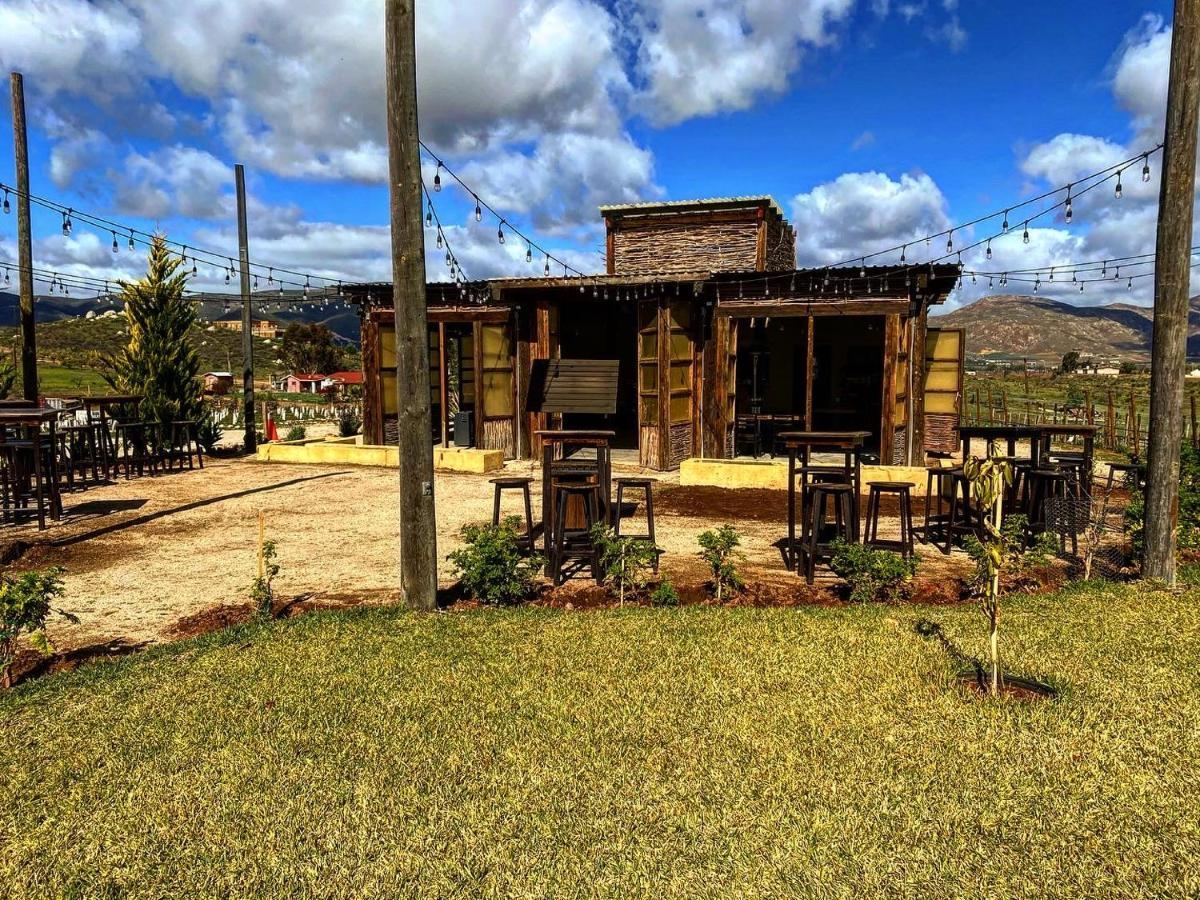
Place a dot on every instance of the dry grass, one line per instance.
(689, 752)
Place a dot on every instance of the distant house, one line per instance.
(303, 383)
(217, 382)
(1194, 373)
(262, 328)
(1111, 371)
(338, 384)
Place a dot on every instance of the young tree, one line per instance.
(159, 362)
(988, 479)
(310, 348)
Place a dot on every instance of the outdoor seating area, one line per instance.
(65, 445)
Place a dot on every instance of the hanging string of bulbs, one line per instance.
(1070, 193)
(532, 247)
(133, 237)
(442, 241)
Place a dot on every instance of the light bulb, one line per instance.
(478, 211)
(66, 225)
(1081, 287)
(1052, 273)
(528, 252)
(862, 268)
(1067, 214)
(270, 276)
(989, 248)
(500, 233)
(429, 216)
(437, 178)
(1117, 189)
(193, 265)
(547, 269)
(1129, 287)
(950, 242)
(1146, 168)
(439, 239)
(7, 280)
(227, 276)
(903, 251)
(7, 206)
(1025, 237)
(1004, 224)
(116, 247)
(131, 245)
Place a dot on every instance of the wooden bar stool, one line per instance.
(938, 497)
(576, 543)
(1128, 472)
(811, 545)
(901, 490)
(963, 519)
(135, 448)
(184, 446)
(646, 485)
(1042, 485)
(514, 483)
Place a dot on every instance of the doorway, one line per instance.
(604, 329)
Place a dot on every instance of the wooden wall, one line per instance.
(691, 244)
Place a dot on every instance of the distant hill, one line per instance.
(1006, 326)
(54, 307)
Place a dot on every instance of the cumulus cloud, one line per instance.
(862, 212)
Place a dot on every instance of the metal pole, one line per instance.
(29, 375)
(1172, 271)
(251, 438)
(418, 529)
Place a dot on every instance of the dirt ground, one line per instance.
(146, 557)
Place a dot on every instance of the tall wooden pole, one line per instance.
(418, 529)
(251, 438)
(1171, 276)
(29, 377)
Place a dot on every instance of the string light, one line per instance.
(429, 216)
(1004, 224)
(115, 247)
(478, 211)
(66, 223)
(950, 241)
(903, 251)
(439, 238)
(1117, 189)
(437, 177)
(132, 246)
(500, 232)
(1067, 213)
(989, 248)
(529, 252)
(1025, 237)
(547, 269)
(7, 206)
(1146, 167)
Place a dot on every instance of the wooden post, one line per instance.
(249, 439)
(1172, 269)
(418, 525)
(29, 377)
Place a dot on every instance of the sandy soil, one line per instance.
(142, 555)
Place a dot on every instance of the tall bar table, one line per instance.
(800, 446)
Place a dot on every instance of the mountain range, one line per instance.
(1009, 326)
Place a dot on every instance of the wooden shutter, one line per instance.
(944, 364)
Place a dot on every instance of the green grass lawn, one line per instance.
(690, 752)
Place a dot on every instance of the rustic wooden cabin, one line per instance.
(716, 334)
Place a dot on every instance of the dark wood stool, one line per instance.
(576, 543)
(184, 445)
(903, 496)
(135, 448)
(646, 485)
(514, 483)
(1128, 471)
(1042, 485)
(83, 442)
(811, 545)
(964, 519)
(938, 481)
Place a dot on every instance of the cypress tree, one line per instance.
(159, 362)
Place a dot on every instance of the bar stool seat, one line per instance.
(633, 482)
(184, 445)
(902, 491)
(575, 543)
(811, 544)
(514, 483)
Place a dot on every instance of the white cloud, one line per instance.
(700, 57)
(862, 212)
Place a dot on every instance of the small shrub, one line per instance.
(718, 548)
(492, 567)
(26, 601)
(348, 422)
(664, 594)
(625, 562)
(262, 591)
(296, 433)
(208, 433)
(873, 574)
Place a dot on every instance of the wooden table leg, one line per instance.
(547, 494)
(791, 546)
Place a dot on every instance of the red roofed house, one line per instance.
(340, 383)
(298, 383)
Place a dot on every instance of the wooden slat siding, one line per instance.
(887, 426)
(686, 246)
(781, 245)
(372, 382)
(681, 444)
(574, 386)
(760, 250)
(648, 446)
(497, 435)
(810, 327)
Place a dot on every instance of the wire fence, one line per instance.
(230, 414)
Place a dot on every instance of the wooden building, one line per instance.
(715, 332)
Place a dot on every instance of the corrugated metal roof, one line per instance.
(703, 203)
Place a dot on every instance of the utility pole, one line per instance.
(418, 526)
(239, 177)
(29, 376)
(1172, 270)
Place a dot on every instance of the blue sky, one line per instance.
(871, 123)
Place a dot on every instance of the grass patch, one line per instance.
(691, 751)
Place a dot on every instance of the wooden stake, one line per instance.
(249, 439)
(418, 526)
(29, 375)
(262, 531)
